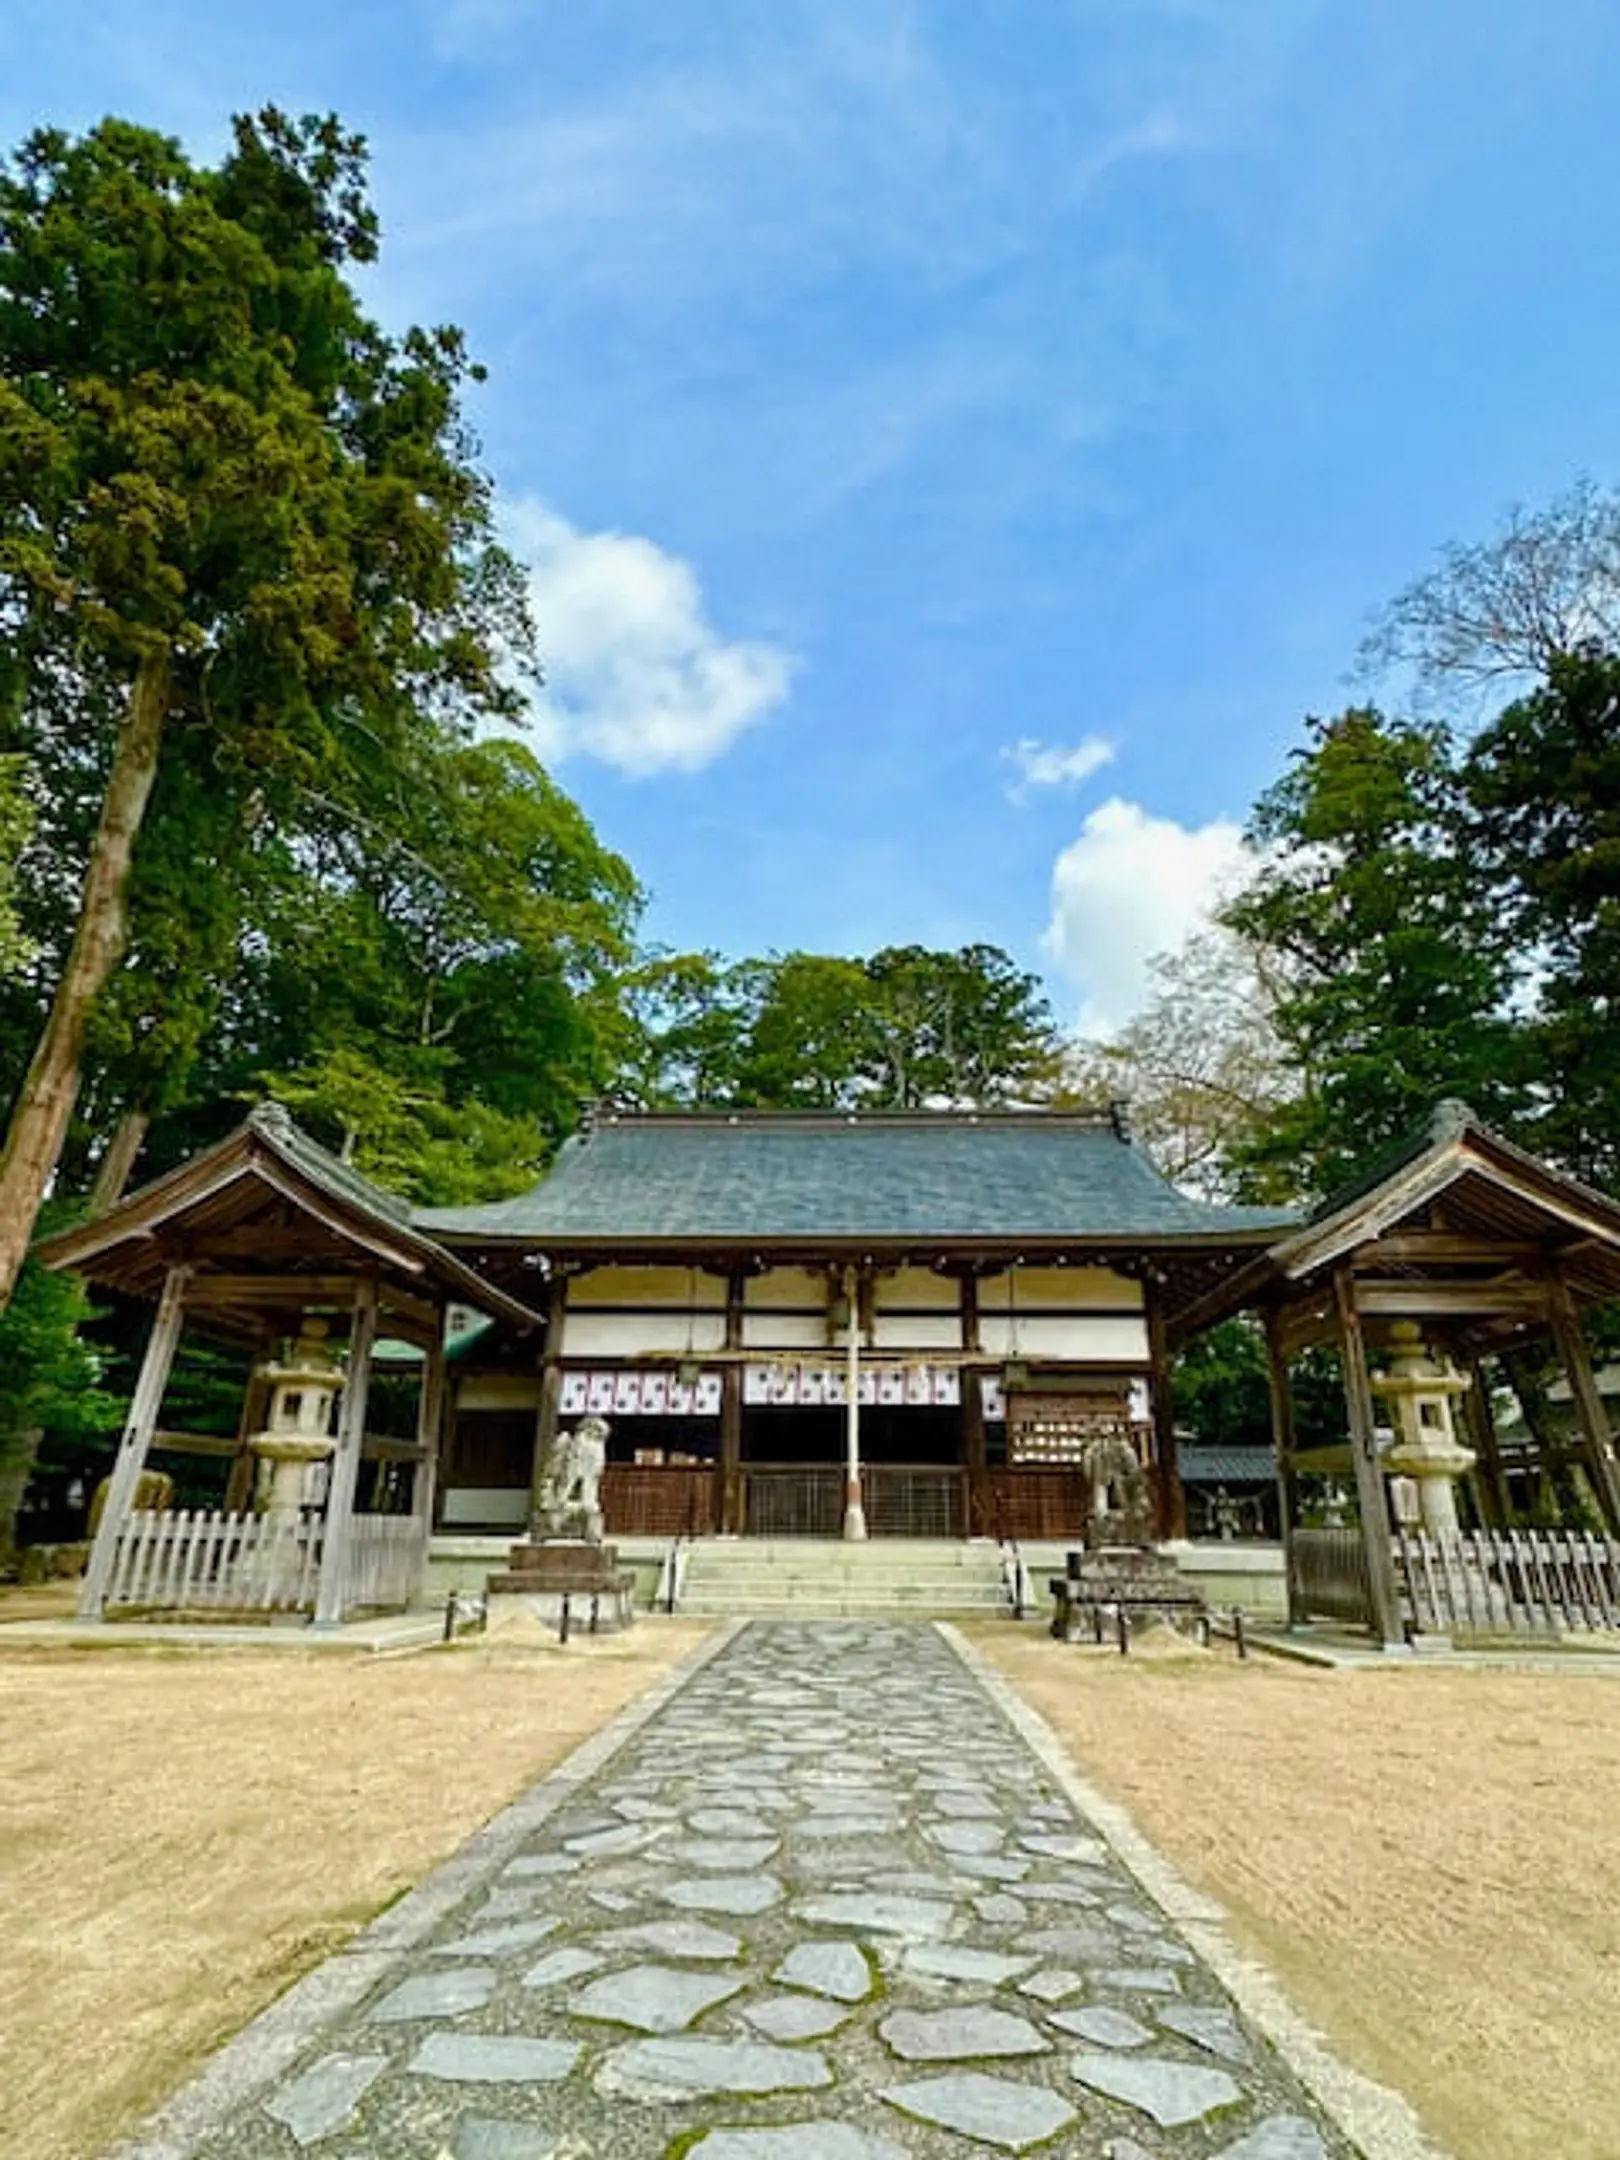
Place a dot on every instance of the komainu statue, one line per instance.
(1121, 1508)
(569, 1502)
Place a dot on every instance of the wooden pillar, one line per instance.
(1480, 1420)
(337, 1538)
(139, 1427)
(1284, 1438)
(730, 1510)
(1371, 1493)
(1597, 1442)
(979, 1512)
(545, 1424)
(430, 1429)
(1170, 1501)
(255, 1408)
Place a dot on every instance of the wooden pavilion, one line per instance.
(1491, 1253)
(244, 1243)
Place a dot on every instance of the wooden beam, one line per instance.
(214, 1288)
(429, 1429)
(1445, 1301)
(972, 1385)
(1371, 1493)
(331, 1593)
(1169, 1494)
(139, 1427)
(1446, 1248)
(1284, 1438)
(1597, 1440)
(1480, 1423)
(729, 1511)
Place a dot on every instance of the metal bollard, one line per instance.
(1239, 1639)
(450, 1618)
(596, 1602)
(564, 1617)
(1124, 1630)
(1096, 1625)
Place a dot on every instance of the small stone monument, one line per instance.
(298, 1425)
(1419, 1390)
(564, 1559)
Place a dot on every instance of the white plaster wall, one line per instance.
(1082, 1340)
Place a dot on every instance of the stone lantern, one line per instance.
(298, 1427)
(1419, 1391)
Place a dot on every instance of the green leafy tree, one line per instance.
(1391, 963)
(16, 829)
(50, 1383)
(1543, 785)
(243, 524)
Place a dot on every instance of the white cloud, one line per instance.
(1133, 885)
(636, 675)
(1050, 765)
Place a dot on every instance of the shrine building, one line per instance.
(934, 1326)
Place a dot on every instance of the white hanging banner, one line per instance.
(632, 1391)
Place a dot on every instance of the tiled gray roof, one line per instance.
(941, 1175)
(1226, 1465)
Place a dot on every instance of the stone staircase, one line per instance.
(895, 1578)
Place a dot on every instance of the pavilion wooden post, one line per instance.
(255, 1408)
(1284, 1439)
(729, 1511)
(429, 1430)
(337, 1539)
(139, 1427)
(545, 1424)
(979, 1522)
(1371, 1494)
(1481, 1423)
(1169, 1496)
(1597, 1440)
(854, 1507)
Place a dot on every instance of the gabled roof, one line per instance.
(1485, 1182)
(954, 1177)
(1454, 1206)
(267, 1199)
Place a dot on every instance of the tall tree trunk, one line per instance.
(39, 1123)
(112, 1173)
(1529, 1373)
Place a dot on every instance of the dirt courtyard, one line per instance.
(182, 1834)
(1428, 1859)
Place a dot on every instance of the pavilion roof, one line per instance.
(276, 1216)
(938, 1178)
(1455, 1212)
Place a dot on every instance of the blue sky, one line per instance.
(957, 441)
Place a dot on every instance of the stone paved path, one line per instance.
(825, 1906)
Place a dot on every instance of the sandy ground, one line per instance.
(182, 1834)
(1428, 1859)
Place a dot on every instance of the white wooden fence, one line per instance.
(1514, 1582)
(201, 1560)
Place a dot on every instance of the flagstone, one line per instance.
(653, 1998)
(837, 1969)
(1172, 2093)
(680, 2069)
(996, 2111)
(494, 2058)
(325, 2095)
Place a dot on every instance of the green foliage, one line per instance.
(1543, 789)
(16, 829)
(903, 1030)
(1391, 961)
